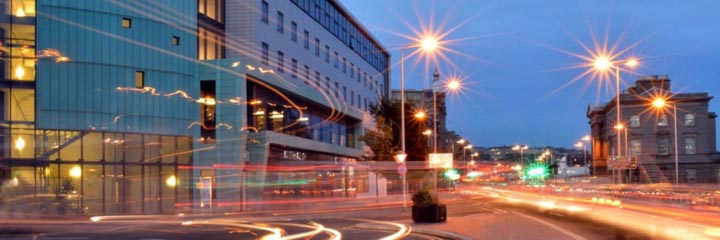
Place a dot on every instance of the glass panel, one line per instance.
(113, 182)
(92, 147)
(22, 8)
(114, 145)
(150, 180)
(184, 188)
(68, 189)
(169, 182)
(168, 152)
(92, 188)
(153, 148)
(23, 143)
(70, 145)
(22, 104)
(133, 148)
(133, 189)
(184, 150)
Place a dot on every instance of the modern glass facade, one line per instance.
(269, 111)
(88, 121)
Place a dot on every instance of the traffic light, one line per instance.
(452, 174)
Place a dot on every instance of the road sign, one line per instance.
(440, 160)
(402, 169)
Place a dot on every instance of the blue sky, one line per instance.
(514, 56)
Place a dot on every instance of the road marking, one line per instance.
(553, 226)
(495, 210)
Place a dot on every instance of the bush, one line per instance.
(425, 198)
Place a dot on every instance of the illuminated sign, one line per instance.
(440, 160)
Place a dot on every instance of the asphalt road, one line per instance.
(475, 217)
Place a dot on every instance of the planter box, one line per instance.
(429, 214)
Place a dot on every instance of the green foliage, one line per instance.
(380, 140)
(425, 198)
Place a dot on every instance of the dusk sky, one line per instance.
(516, 58)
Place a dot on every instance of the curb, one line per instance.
(426, 231)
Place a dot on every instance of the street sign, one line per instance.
(440, 160)
(402, 169)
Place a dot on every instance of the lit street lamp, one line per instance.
(428, 44)
(587, 138)
(660, 103)
(521, 149)
(604, 64)
(468, 147)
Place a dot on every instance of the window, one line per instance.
(345, 94)
(690, 145)
(280, 22)
(317, 47)
(662, 121)
(175, 40)
(306, 40)
(139, 79)
(293, 28)
(265, 12)
(344, 63)
(635, 121)
(212, 9)
(327, 85)
(635, 147)
(207, 110)
(337, 60)
(352, 98)
(352, 70)
(210, 44)
(281, 62)
(327, 54)
(337, 90)
(317, 78)
(662, 145)
(294, 68)
(126, 23)
(306, 74)
(265, 53)
(689, 119)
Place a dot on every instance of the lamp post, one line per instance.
(468, 147)
(521, 149)
(461, 142)
(587, 138)
(604, 63)
(584, 148)
(428, 44)
(660, 103)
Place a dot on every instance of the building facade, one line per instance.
(648, 139)
(432, 103)
(130, 107)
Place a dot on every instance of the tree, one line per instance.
(380, 140)
(416, 144)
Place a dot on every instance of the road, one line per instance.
(476, 217)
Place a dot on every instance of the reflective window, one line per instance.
(293, 28)
(280, 22)
(662, 121)
(306, 39)
(689, 119)
(264, 11)
(690, 145)
(635, 147)
(662, 145)
(265, 53)
(635, 121)
(294, 68)
(281, 62)
(22, 8)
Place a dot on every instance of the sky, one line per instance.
(521, 61)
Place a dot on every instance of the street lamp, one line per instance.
(428, 44)
(521, 149)
(604, 64)
(468, 147)
(587, 138)
(660, 103)
(584, 148)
